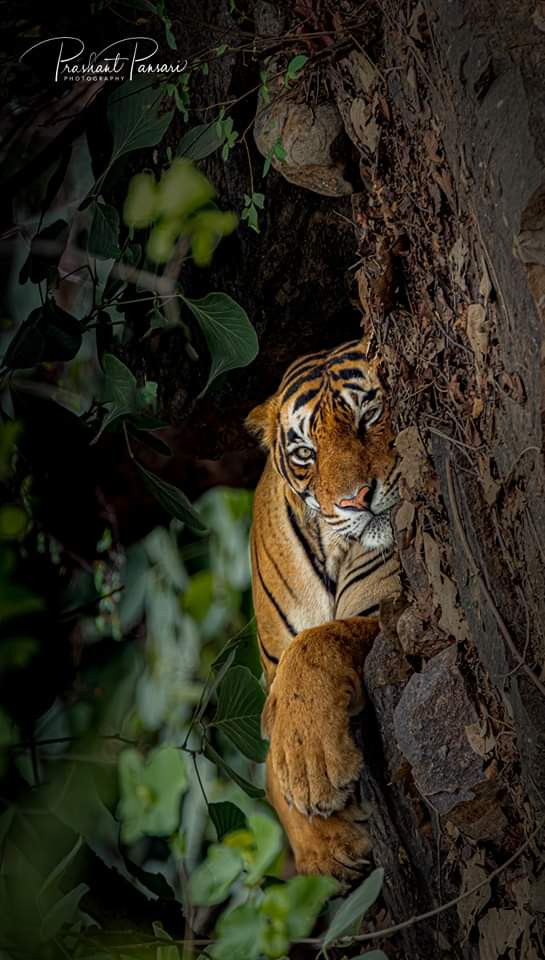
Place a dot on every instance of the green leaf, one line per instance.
(355, 906)
(115, 415)
(62, 912)
(239, 934)
(141, 201)
(238, 714)
(199, 594)
(214, 679)
(47, 334)
(120, 382)
(296, 904)
(103, 241)
(26, 348)
(10, 430)
(246, 634)
(294, 67)
(63, 333)
(151, 789)
(135, 118)
(61, 866)
(146, 396)
(307, 896)
(173, 500)
(230, 337)
(226, 817)
(13, 521)
(279, 150)
(268, 844)
(46, 249)
(143, 435)
(211, 881)
(200, 141)
(211, 754)
(171, 40)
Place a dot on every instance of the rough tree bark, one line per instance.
(447, 214)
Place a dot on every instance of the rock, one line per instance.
(429, 724)
(415, 638)
(307, 134)
(386, 671)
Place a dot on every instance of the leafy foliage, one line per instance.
(135, 117)
(355, 906)
(238, 714)
(151, 748)
(231, 339)
(150, 792)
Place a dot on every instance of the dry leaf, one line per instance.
(477, 332)
(480, 737)
(529, 246)
(490, 487)
(414, 465)
(452, 619)
(477, 408)
(469, 908)
(485, 286)
(457, 259)
(404, 519)
(499, 930)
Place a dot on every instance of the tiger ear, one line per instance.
(261, 421)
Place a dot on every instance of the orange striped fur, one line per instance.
(323, 558)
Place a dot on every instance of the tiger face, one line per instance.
(329, 436)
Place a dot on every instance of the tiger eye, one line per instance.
(303, 453)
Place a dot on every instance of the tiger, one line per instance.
(323, 559)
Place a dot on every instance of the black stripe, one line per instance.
(321, 572)
(348, 357)
(305, 362)
(345, 373)
(369, 612)
(315, 374)
(263, 648)
(304, 398)
(354, 386)
(278, 572)
(281, 463)
(279, 611)
(365, 572)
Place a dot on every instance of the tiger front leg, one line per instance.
(338, 845)
(316, 690)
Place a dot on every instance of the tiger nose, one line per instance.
(360, 501)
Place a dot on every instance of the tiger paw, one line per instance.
(307, 719)
(335, 846)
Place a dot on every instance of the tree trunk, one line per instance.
(432, 227)
(448, 227)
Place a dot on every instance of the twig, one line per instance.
(28, 744)
(451, 903)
